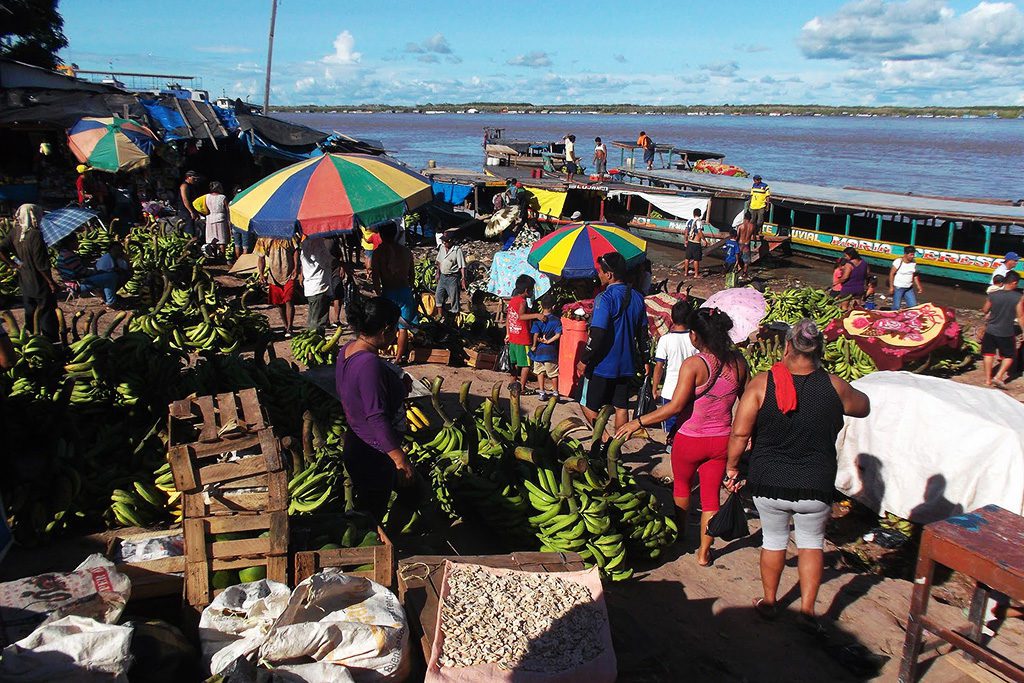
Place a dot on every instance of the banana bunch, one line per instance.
(762, 354)
(424, 276)
(898, 524)
(313, 486)
(417, 419)
(141, 505)
(164, 482)
(311, 348)
(8, 275)
(34, 517)
(94, 241)
(207, 335)
(794, 304)
(360, 532)
(845, 358)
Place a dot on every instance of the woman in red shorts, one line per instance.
(708, 387)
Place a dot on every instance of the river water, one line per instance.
(951, 157)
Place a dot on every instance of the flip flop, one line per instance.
(764, 610)
(711, 560)
(810, 625)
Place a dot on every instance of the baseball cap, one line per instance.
(1011, 256)
(191, 174)
(757, 177)
(81, 168)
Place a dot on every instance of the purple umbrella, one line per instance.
(744, 305)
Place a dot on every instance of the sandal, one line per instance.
(809, 624)
(711, 560)
(764, 610)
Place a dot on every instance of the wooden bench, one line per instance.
(988, 546)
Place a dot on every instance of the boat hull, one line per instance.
(656, 230)
(945, 263)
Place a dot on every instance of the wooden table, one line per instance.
(986, 545)
(419, 582)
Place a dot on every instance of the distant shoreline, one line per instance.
(999, 112)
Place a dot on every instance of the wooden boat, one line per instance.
(956, 239)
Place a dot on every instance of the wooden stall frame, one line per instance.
(309, 562)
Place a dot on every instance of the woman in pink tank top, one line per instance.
(709, 385)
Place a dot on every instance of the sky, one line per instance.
(338, 52)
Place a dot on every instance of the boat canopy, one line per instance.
(679, 206)
(841, 198)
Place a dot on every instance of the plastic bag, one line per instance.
(730, 522)
(504, 363)
(644, 398)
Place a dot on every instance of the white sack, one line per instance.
(238, 620)
(77, 649)
(352, 628)
(932, 448)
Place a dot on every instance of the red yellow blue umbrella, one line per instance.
(573, 251)
(332, 193)
(111, 144)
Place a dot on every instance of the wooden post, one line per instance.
(949, 237)
(913, 232)
(847, 229)
(988, 238)
(602, 209)
(270, 56)
(878, 228)
(817, 222)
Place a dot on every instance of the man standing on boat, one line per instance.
(760, 194)
(571, 158)
(694, 245)
(600, 158)
(903, 280)
(746, 238)
(647, 145)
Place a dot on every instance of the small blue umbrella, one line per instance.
(58, 224)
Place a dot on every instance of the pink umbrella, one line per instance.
(744, 305)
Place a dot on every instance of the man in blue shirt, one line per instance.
(617, 345)
(730, 252)
(546, 332)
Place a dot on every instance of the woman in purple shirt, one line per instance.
(854, 276)
(371, 393)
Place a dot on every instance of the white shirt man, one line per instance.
(1008, 264)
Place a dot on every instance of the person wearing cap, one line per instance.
(1008, 264)
(82, 185)
(903, 280)
(188, 192)
(451, 273)
(760, 194)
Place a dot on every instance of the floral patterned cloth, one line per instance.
(509, 265)
(893, 337)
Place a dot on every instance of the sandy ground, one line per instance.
(680, 620)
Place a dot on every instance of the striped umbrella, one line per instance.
(573, 251)
(332, 193)
(111, 144)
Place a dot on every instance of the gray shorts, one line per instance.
(809, 519)
(447, 293)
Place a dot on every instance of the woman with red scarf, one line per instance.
(791, 416)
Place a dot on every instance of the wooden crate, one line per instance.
(419, 582)
(195, 465)
(250, 495)
(204, 555)
(201, 418)
(309, 562)
(481, 360)
(423, 354)
(150, 578)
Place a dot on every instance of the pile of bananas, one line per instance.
(762, 354)
(8, 275)
(154, 254)
(536, 486)
(846, 359)
(141, 505)
(416, 418)
(94, 241)
(424, 275)
(794, 304)
(312, 348)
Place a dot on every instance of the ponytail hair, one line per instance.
(712, 326)
(370, 317)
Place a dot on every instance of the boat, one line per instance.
(502, 151)
(956, 239)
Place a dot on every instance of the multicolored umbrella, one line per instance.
(332, 193)
(744, 305)
(573, 251)
(111, 144)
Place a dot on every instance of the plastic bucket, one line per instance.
(570, 348)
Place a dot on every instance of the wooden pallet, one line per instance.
(204, 555)
(382, 557)
(150, 578)
(419, 582)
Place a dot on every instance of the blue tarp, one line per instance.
(226, 116)
(260, 147)
(451, 193)
(173, 125)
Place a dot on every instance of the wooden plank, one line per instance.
(226, 444)
(182, 468)
(208, 432)
(271, 449)
(251, 410)
(227, 409)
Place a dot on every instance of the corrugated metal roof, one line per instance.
(881, 202)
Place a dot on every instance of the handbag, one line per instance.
(730, 522)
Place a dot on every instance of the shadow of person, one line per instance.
(661, 634)
(935, 506)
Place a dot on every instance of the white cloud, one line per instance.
(752, 48)
(344, 50)
(721, 68)
(621, 59)
(429, 58)
(534, 60)
(921, 51)
(435, 44)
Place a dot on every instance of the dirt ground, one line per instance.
(680, 620)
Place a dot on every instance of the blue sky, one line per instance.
(909, 52)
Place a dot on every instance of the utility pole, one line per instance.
(270, 56)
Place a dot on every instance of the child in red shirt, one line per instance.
(518, 331)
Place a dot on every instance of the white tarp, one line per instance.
(932, 448)
(676, 206)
